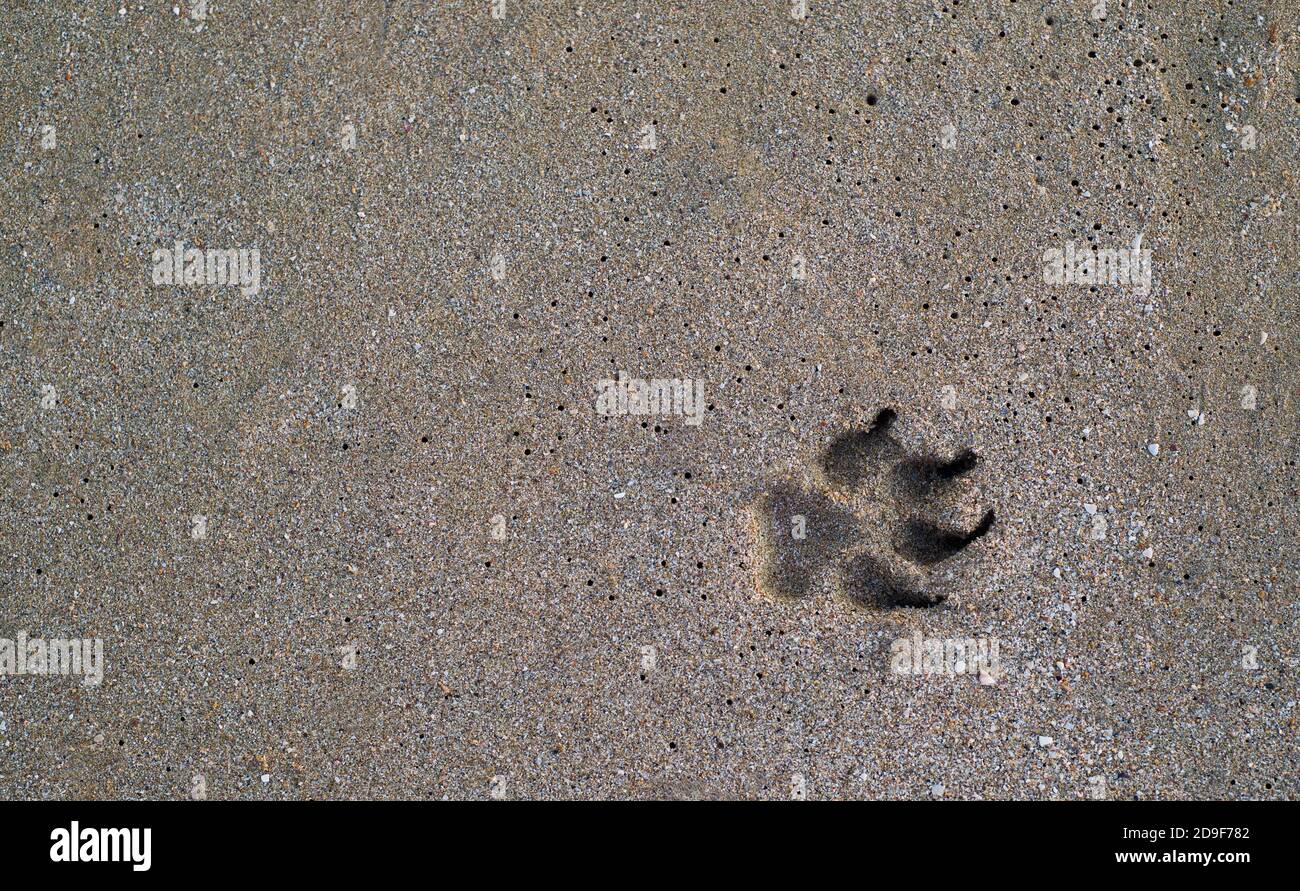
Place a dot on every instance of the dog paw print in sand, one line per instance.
(889, 527)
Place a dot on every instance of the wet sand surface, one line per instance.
(371, 526)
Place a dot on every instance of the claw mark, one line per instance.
(928, 543)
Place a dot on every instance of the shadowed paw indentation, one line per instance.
(895, 528)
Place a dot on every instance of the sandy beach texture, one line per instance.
(649, 399)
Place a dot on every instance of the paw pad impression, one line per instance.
(896, 529)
